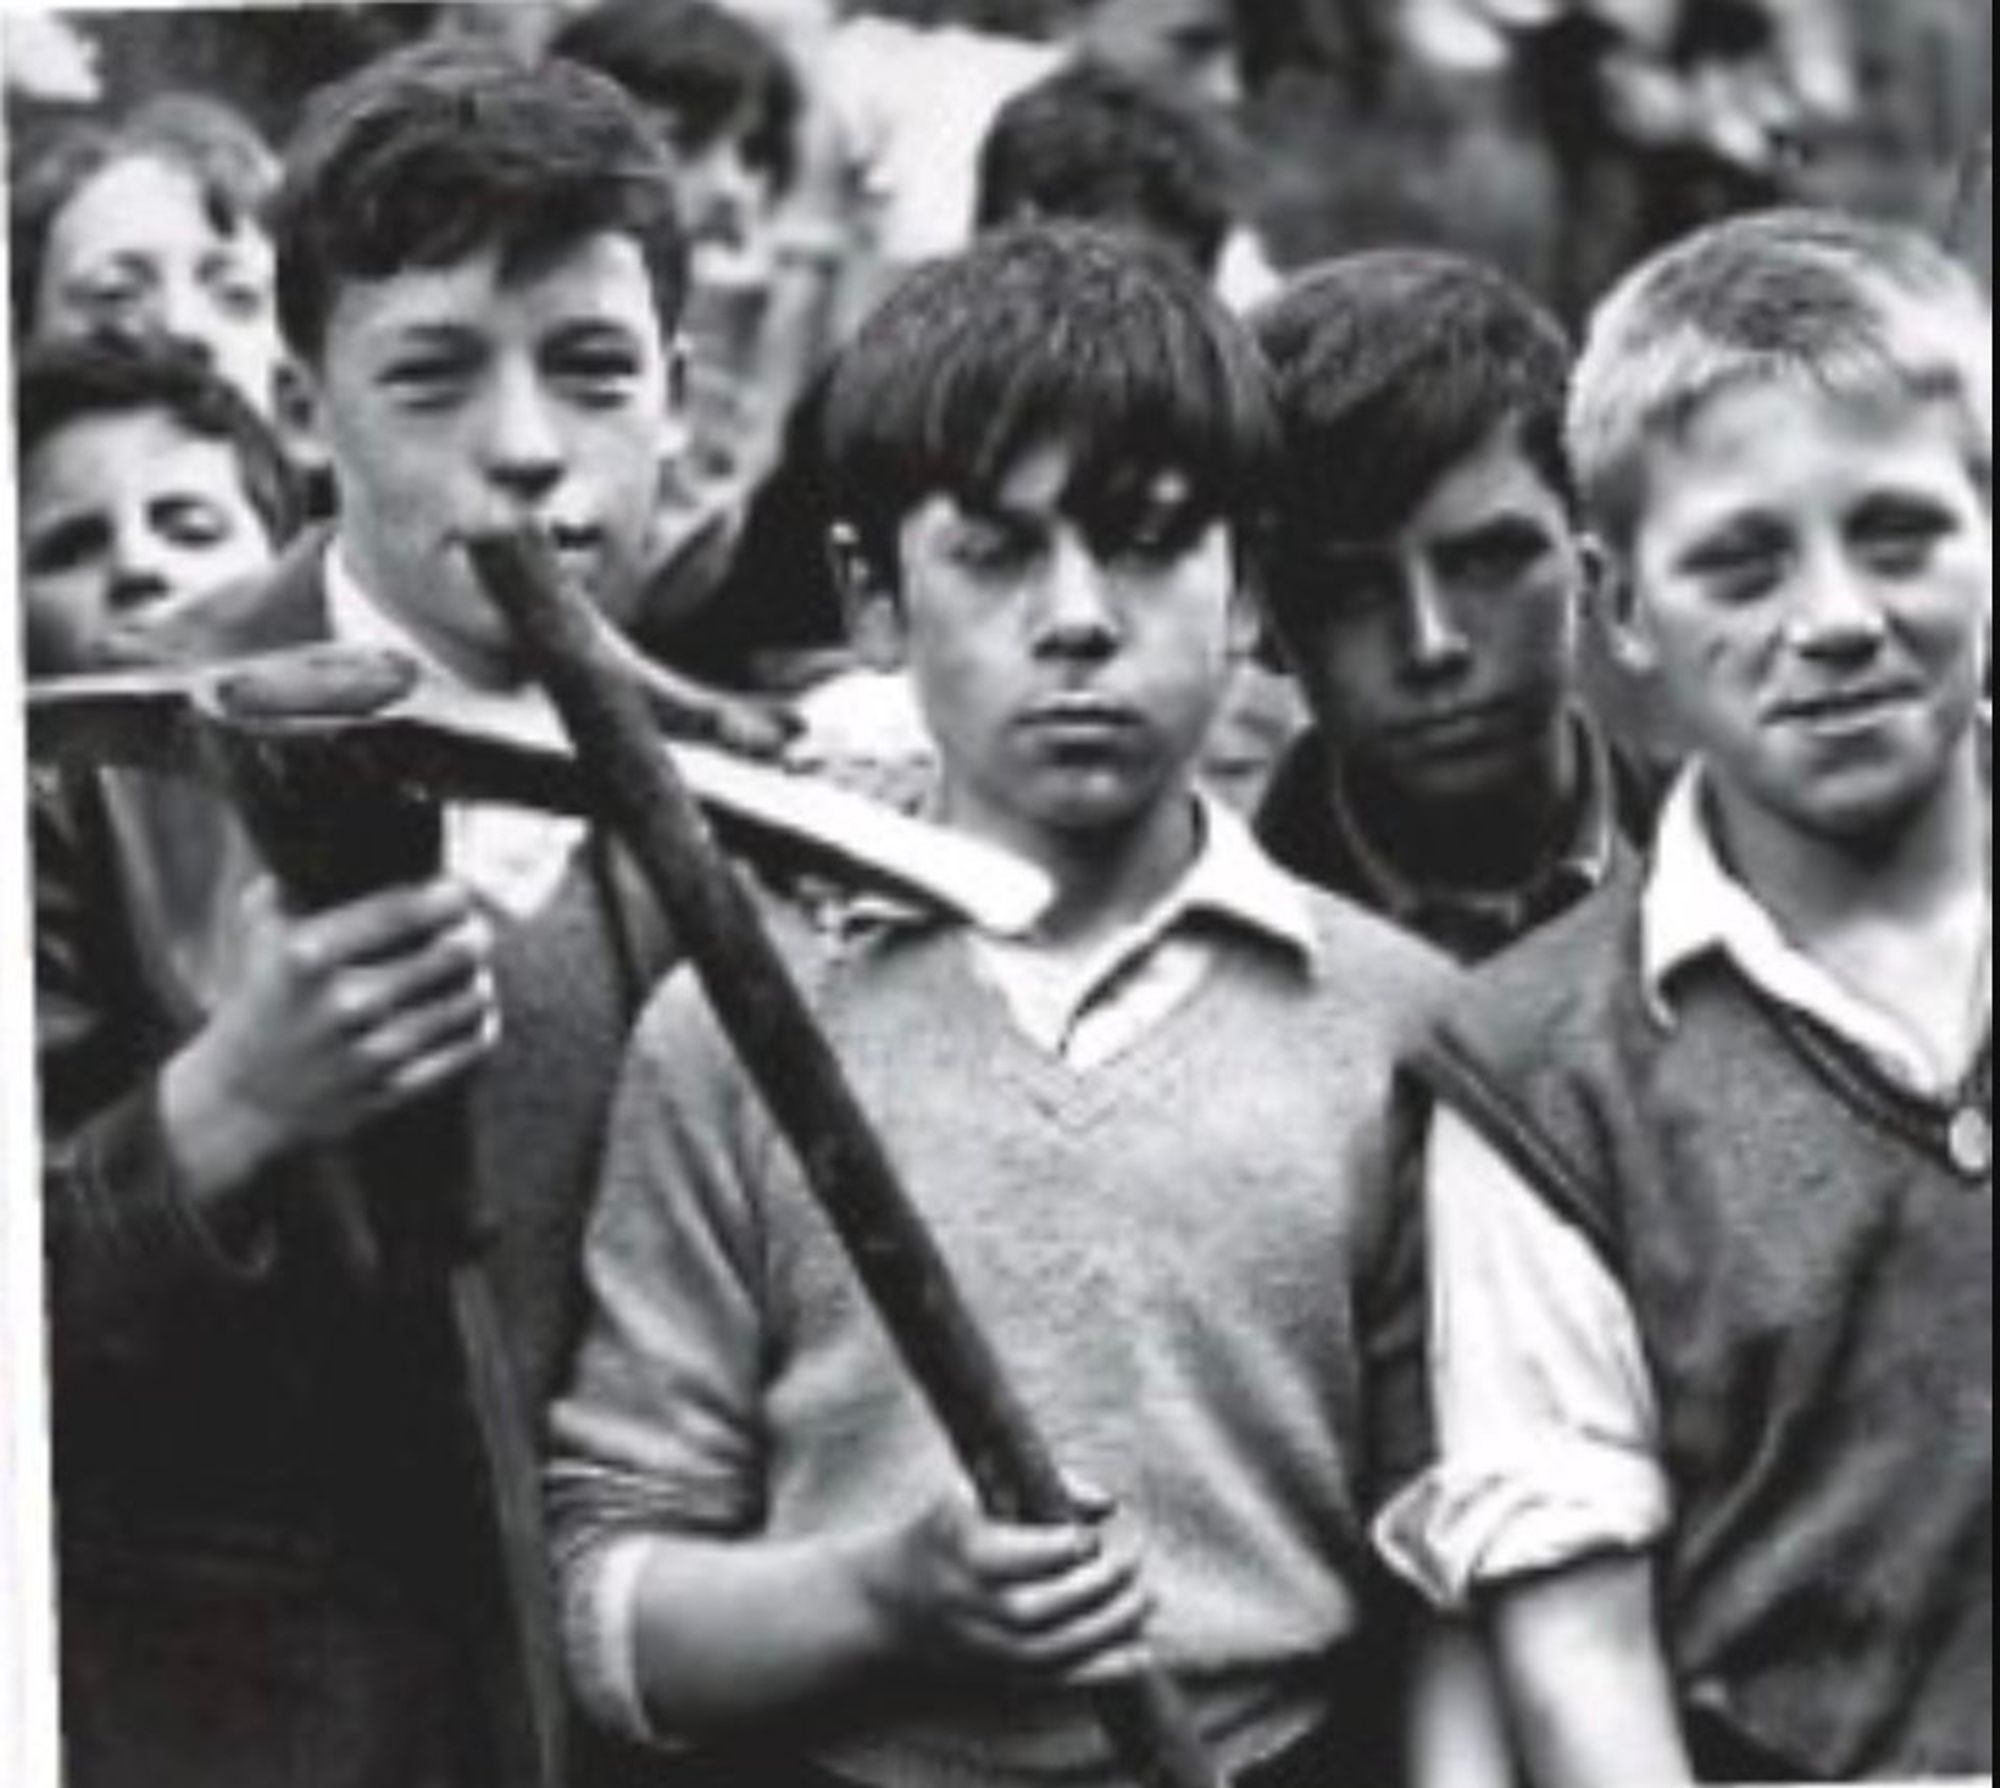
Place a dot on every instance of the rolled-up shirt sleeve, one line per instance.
(659, 1431)
(1547, 1424)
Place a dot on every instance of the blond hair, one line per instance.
(1839, 304)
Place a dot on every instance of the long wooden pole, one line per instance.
(787, 1056)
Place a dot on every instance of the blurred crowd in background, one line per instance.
(825, 145)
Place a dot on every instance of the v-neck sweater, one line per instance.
(1187, 1257)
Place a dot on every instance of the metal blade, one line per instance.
(460, 745)
(461, 748)
(135, 720)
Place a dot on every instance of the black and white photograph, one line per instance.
(996, 894)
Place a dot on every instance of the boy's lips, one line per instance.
(1454, 732)
(1079, 713)
(1848, 705)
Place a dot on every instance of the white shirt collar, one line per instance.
(1090, 1012)
(1230, 879)
(1695, 907)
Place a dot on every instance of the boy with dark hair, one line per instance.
(1094, 144)
(1047, 455)
(146, 483)
(1711, 1174)
(1426, 580)
(724, 95)
(264, 1571)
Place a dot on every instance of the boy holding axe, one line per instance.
(480, 270)
(1150, 1134)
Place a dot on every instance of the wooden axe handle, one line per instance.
(785, 1053)
(328, 835)
(331, 829)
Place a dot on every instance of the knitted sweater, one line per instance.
(1809, 1255)
(1187, 1257)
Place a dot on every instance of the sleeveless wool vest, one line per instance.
(1808, 1251)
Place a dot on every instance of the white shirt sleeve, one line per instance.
(1547, 1424)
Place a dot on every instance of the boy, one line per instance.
(1047, 454)
(479, 270)
(728, 105)
(724, 96)
(1101, 146)
(1426, 582)
(146, 483)
(1711, 1177)
(149, 229)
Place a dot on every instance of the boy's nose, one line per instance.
(1834, 612)
(1435, 647)
(1077, 613)
(522, 445)
(183, 313)
(136, 573)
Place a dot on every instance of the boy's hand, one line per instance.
(1061, 1605)
(328, 1022)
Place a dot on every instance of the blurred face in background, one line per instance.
(726, 197)
(141, 253)
(128, 521)
(1187, 45)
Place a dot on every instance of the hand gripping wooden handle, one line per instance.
(784, 1052)
(332, 827)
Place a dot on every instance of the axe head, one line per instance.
(152, 719)
(421, 737)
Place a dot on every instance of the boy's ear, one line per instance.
(870, 599)
(1249, 624)
(299, 417)
(674, 434)
(1611, 595)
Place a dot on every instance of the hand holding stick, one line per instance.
(786, 1055)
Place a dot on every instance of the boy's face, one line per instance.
(1187, 45)
(1444, 661)
(1813, 581)
(127, 521)
(135, 253)
(452, 401)
(725, 198)
(1068, 666)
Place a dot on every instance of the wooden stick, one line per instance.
(330, 828)
(785, 1053)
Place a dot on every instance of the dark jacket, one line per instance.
(260, 1511)
(1303, 823)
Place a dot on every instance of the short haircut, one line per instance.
(712, 74)
(1058, 333)
(1096, 144)
(433, 154)
(58, 383)
(1817, 299)
(230, 164)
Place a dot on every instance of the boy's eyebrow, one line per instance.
(122, 260)
(56, 540)
(1734, 531)
(1502, 525)
(986, 506)
(605, 329)
(426, 333)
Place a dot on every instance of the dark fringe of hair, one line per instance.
(1051, 333)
